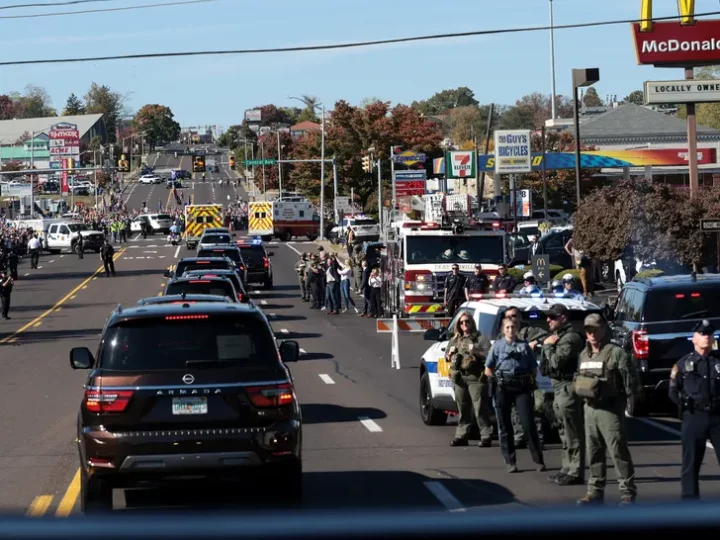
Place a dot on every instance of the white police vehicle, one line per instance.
(437, 397)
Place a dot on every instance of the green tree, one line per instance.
(158, 123)
(100, 99)
(591, 98)
(33, 103)
(309, 112)
(73, 106)
(637, 97)
(445, 100)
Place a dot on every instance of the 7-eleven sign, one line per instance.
(461, 164)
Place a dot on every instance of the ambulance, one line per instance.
(283, 220)
(199, 217)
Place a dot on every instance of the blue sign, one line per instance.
(410, 175)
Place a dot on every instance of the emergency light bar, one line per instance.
(503, 294)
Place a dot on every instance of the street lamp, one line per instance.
(552, 61)
(322, 167)
(580, 78)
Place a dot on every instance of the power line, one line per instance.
(104, 10)
(55, 4)
(351, 45)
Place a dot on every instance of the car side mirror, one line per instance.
(81, 358)
(432, 334)
(289, 351)
(166, 274)
(271, 253)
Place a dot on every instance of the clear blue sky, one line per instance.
(216, 90)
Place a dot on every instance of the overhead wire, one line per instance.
(336, 46)
(54, 4)
(104, 10)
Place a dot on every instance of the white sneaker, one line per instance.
(344, 310)
(357, 310)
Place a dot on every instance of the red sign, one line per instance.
(405, 188)
(64, 176)
(671, 44)
(64, 134)
(680, 156)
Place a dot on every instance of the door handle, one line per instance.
(443, 349)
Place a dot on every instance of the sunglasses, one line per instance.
(465, 321)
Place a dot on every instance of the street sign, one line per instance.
(250, 162)
(541, 268)
(710, 225)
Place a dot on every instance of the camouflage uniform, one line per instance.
(301, 268)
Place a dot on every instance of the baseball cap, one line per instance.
(556, 310)
(478, 267)
(704, 328)
(594, 320)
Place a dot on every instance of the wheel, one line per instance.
(311, 237)
(95, 495)
(637, 405)
(429, 414)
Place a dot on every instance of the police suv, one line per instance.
(437, 397)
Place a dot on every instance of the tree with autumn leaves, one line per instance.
(158, 124)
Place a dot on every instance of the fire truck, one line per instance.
(419, 255)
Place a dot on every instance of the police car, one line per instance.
(437, 397)
(257, 261)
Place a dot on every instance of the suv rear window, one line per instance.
(183, 267)
(253, 255)
(202, 286)
(160, 344)
(232, 276)
(216, 239)
(698, 302)
(232, 254)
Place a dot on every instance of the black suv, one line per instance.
(180, 390)
(257, 262)
(200, 263)
(215, 285)
(653, 320)
(183, 299)
(232, 252)
(228, 274)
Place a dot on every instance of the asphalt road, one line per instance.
(364, 444)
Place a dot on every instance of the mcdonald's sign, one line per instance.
(684, 43)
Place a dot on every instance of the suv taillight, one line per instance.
(277, 395)
(266, 262)
(107, 401)
(241, 297)
(641, 344)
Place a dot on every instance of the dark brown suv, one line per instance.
(189, 389)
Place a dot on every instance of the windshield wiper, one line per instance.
(694, 314)
(208, 363)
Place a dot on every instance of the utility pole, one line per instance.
(32, 176)
(322, 177)
(335, 191)
(380, 216)
(279, 164)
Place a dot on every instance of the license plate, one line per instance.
(443, 368)
(189, 405)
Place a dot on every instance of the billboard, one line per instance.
(253, 115)
(461, 164)
(409, 183)
(64, 143)
(685, 91)
(513, 153)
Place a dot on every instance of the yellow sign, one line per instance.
(686, 10)
(443, 368)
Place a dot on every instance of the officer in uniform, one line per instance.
(560, 354)
(300, 269)
(454, 290)
(80, 247)
(106, 254)
(695, 386)
(606, 377)
(504, 282)
(477, 283)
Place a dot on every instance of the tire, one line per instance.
(311, 237)
(95, 495)
(637, 406)
(428, 413)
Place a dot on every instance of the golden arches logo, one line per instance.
(686, 10)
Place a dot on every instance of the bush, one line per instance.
(517, 273)
(646, 274)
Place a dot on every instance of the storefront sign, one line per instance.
(685, 91)
(512, 152)
(461, 164)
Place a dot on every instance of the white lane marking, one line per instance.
(141, 257)
(369, 424)
(294, 249)
(264, 302)
(284, 331)
(61, 256)
(272, 315)
(52, 261)
(442, 494)
(161, 256)
(129, 258)
(177, 252)
(152, 245)
(303, 351)
(26, 275)
(326, 378)
(666, 429)
(138, 236)
(149, 251)
(39, 267)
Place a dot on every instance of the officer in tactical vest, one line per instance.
(478, 283)
(606, 377)
(301, 269)
(695, 386)
(533, 335)
(560, 354)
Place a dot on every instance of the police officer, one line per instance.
(466, 353)
(477, 283)
(300, 269)
(80, 246)
(513, 364)
(568, 281)
(560, 353)
(606, 377)
(106, 254)
(454, 290)
(533, 335)
(6, 286)
(530, 285)
(504, 282)
(695, 386)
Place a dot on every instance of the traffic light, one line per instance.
(123, 164)
(366, 164)
(70, 164)
(199, 164)
(232, 162)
